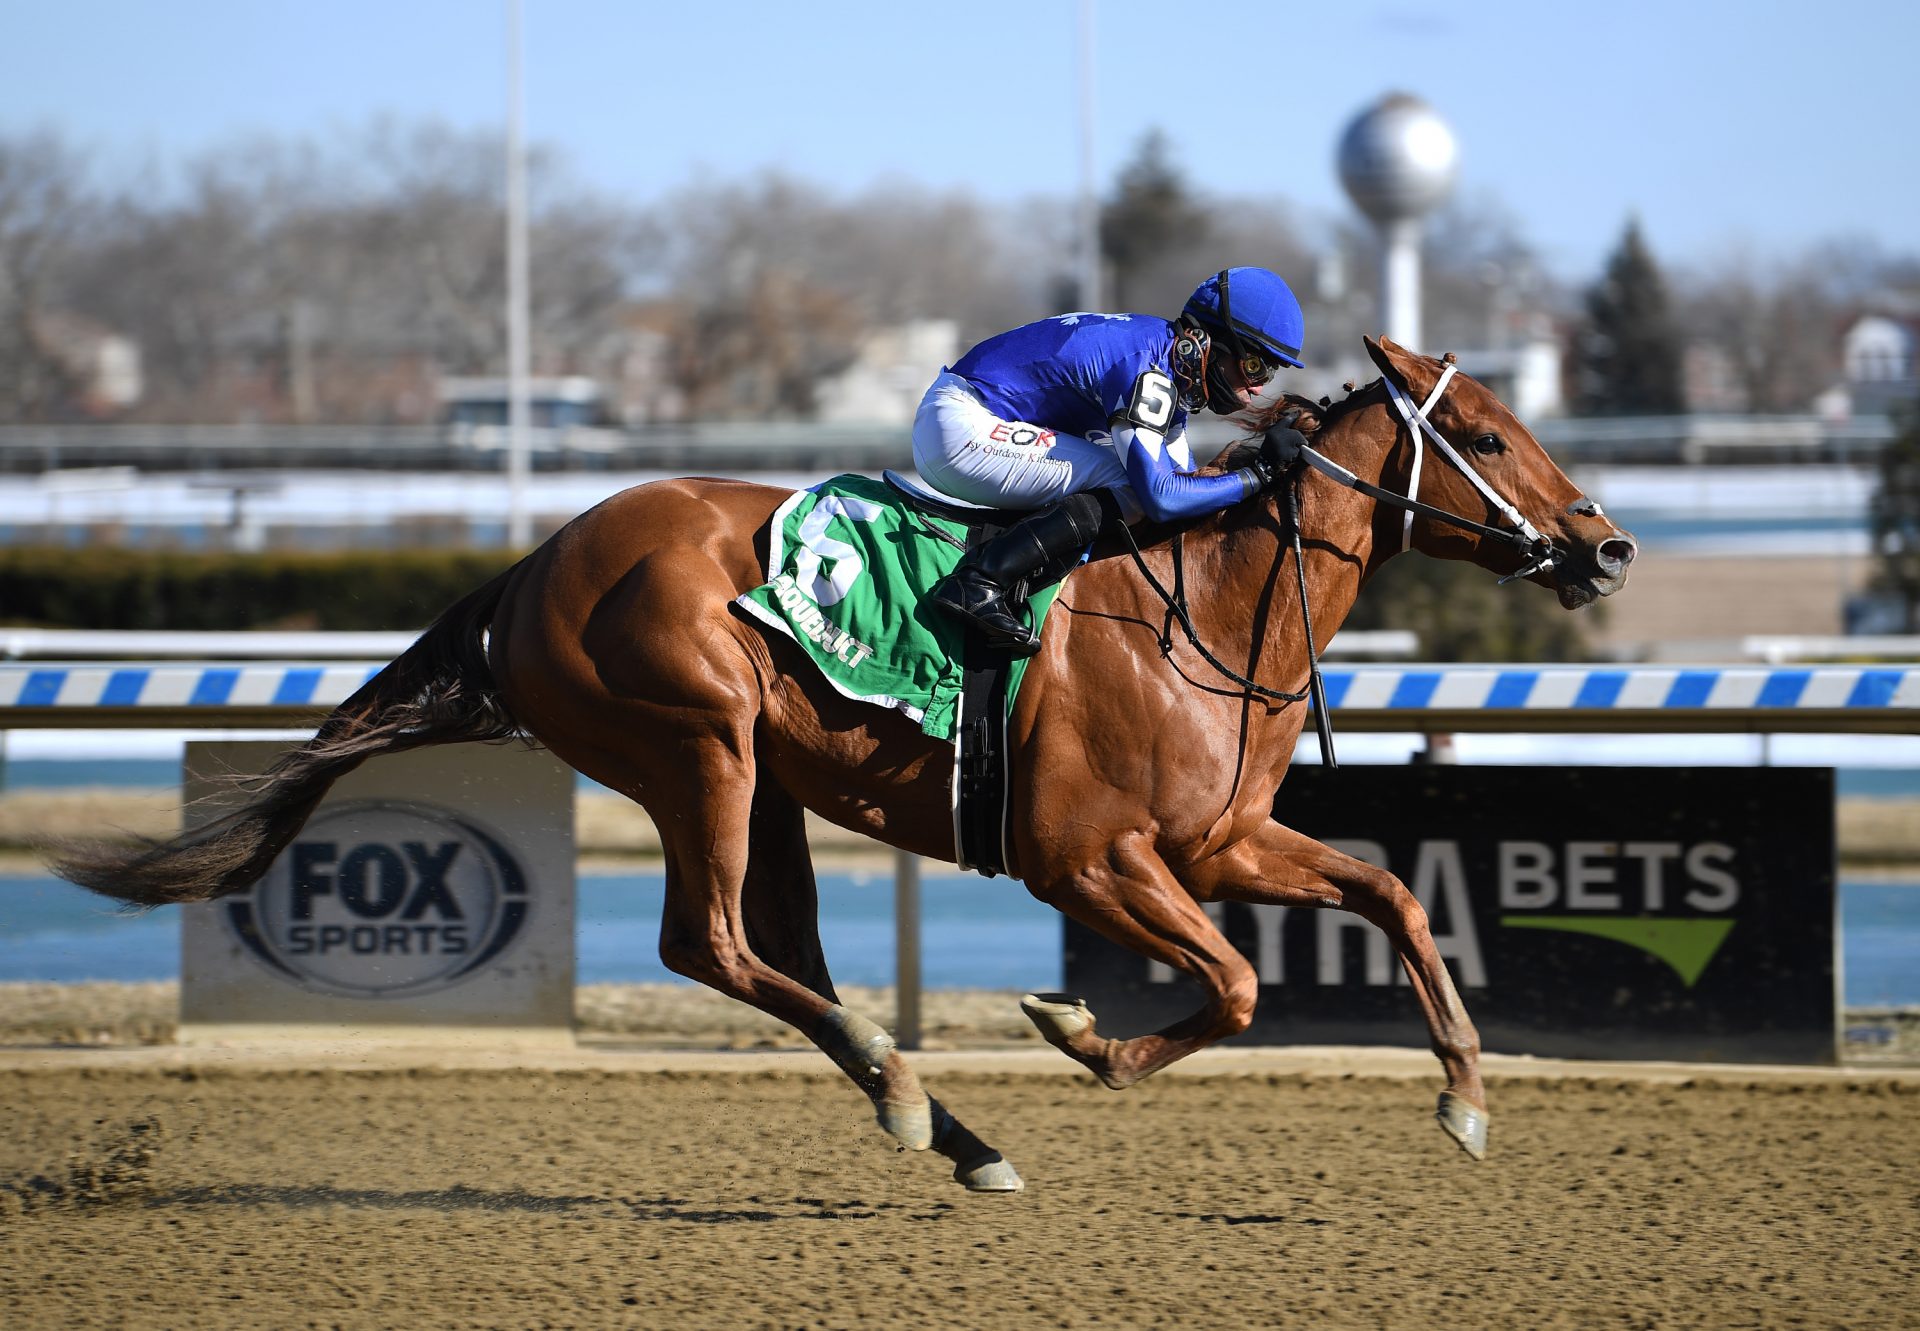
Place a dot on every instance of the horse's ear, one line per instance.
(1400, 365)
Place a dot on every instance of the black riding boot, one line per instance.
(985, 590)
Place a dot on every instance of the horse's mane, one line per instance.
(1315, 415)
(1311, 417)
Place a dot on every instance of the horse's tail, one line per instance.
(439, 691)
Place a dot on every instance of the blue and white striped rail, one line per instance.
(1627, 699)
(184, 693)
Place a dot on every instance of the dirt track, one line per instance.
(145, 1190)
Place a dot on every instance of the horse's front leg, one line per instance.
(1279, 866)
(1132, 898)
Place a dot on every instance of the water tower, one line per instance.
(1397, 160)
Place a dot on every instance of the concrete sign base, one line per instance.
(429, 899)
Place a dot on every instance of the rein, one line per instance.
(1177, 609)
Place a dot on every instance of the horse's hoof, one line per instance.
(990, 1173)
(909, 1124)
(1464, 1123)
(1060, 1017)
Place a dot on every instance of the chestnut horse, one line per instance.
(1143, 781)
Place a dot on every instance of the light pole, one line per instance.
(1089, 294)
(519, 520)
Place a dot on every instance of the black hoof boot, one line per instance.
(968, 594)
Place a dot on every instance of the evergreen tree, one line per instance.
(1150, 220)
(1896, 520)
(1629, 350)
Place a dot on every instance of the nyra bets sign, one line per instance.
(1586, 912)
(429, 896)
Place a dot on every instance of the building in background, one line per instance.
(103, 365)
(1879, 362)
(889, 374)
(566, 412)
(1527, 376)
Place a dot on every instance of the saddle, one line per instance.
(983, 523)
(931, 501)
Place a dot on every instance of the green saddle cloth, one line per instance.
(848, 565)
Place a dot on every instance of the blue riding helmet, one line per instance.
(1253, 308)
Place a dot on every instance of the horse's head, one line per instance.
(1590, 555)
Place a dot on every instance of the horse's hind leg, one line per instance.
(705, 824)
(1280, 866)
(781, 908)
(779, 898)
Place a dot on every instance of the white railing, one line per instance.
(1778, 648)
(108, 644)
(128, 644)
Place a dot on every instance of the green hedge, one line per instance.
(122, 589)
(1457, 611)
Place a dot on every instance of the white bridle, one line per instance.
(1403, 401)
(1421, 429)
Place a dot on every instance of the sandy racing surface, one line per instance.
(617, 1187)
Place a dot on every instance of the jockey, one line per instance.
(1043, 416)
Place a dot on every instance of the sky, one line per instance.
(1727, 128)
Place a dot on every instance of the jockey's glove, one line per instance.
(1279, 450)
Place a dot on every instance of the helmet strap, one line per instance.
(1221, 396)
(1232, 335)
(1226, 314)
(1192, 345)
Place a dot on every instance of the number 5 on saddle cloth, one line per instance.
(848, 562)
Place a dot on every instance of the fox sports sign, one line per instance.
(382, 899)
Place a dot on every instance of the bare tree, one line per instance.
(182, 270)
(333, 279)
(289, 279)
(770, 284)
(44, 200)
(1484, 286)
(1777, 327)
(753, 329)
(1161, 237)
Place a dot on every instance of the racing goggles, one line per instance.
(1258, 371)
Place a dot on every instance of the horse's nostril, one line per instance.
(1617, 553)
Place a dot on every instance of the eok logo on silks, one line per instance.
(379, 899)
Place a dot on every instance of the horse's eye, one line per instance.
(1488, 444)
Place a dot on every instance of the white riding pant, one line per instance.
(966, 451)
